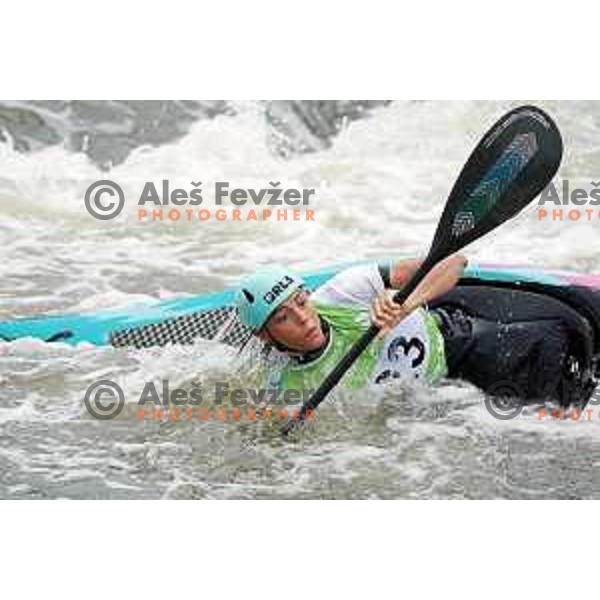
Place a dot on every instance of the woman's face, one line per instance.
(296, 324)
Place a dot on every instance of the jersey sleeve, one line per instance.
(360, 284)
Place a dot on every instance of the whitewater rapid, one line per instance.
(380, 183)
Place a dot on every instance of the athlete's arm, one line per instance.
(400, 273)
(441, 279)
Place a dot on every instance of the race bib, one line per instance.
(413, 349)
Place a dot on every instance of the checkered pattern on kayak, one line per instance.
(221, 324)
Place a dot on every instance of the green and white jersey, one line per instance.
(414, 349)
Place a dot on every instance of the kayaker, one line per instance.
(315, 330)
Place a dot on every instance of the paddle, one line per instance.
(509, 167)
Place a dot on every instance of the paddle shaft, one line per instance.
(363, 342)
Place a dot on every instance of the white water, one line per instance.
(379, 192)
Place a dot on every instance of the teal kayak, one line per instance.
(212, 316)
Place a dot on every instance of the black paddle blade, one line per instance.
(511, 165)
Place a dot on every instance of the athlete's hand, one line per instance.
(386, 314)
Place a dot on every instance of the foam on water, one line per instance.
(379, 191)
